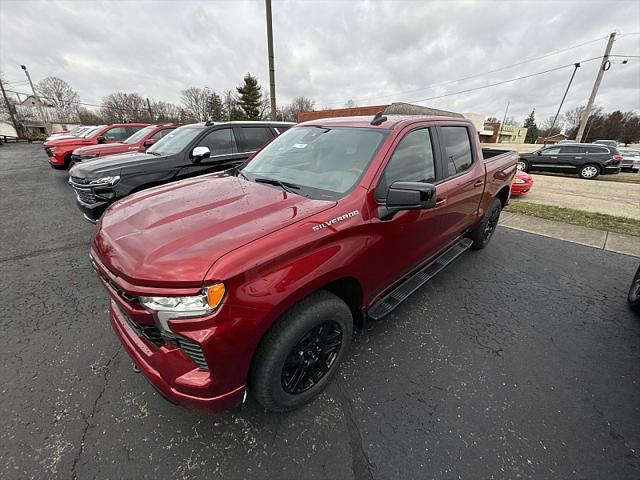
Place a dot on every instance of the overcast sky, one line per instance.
(373, 52)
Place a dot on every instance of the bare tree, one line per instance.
(194, 101)
(124, 107)
(165, 112)
(546, 130)
(88, 117)
(299, 104)
(59, 94)
(350, 104)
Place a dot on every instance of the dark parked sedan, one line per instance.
(585, 159)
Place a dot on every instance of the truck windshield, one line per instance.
(91, 132)
(317, 162)
(139, 135)
(175, 141)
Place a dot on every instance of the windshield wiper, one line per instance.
(286, 186)
(154, 153)
(239, 172)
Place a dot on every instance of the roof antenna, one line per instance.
(378, 118)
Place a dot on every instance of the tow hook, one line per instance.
(135, 368)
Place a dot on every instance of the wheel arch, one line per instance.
(503, 195)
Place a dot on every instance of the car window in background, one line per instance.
(219, 142)
(457, 147)
(573, 149)
(91, 132)
(175, 142)
(131, 129)
(139, 135)
(116, 133)
(597, 150)
(551, 151)
(255, 137)
(412, 161)
(161, 133)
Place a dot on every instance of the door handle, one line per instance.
(478, 183)
(578, 158)
(440, 202)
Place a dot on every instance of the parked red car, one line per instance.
(59, 150)
(138, 142)
(522, 183)
(254, 277)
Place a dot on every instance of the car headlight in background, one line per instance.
(519, 181)
(106, 180)
(171, 308)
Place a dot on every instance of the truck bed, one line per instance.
(500, 168)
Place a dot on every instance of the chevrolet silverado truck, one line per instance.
(185, 152)
(252, 279)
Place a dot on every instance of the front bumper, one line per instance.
(92, 200)
(520, 188)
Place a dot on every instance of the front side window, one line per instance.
(323, 163)
(175, 142)
(116, 133)
(457, 149)
(412, 161)
(551, 151)
(139, 135)
(219, 142)
(255, 137)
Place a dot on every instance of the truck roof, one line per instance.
(392, 121)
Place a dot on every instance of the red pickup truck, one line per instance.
(253, 278)
(138, 142)
(59, 150)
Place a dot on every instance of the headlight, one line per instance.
(519, 180)
(169, 308)
(52, 148)
(108, 180)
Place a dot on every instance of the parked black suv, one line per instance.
(185, 152)
(586, 159)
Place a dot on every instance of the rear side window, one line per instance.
(161, 133)
(219, 142)
(412, 161)
(597, 150)
(133, 129)
(572, 149)
(255, 137)
(457, 150)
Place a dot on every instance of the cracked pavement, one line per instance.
(518, 361)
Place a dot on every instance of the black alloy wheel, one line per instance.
(311, 358)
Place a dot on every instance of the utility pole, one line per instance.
(149, 109)
(272, 70)
(603, 67)
(504, 119)
(44, 119)
(576, 66)
(10, 110)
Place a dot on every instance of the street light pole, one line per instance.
(596, 86)
(272, 70)
(44, 119)
(10, 109)
(576, 66)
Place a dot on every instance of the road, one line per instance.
(518, 361)
(610, 198)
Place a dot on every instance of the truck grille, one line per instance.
(85, 196)
(48, 151)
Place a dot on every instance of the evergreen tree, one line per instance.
(532, 128)
(215, 108)
(250, 98)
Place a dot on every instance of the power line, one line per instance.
(505, 81)
(447, 82)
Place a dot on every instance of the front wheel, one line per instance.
(301, 352)
(483, 232)
(589, 172)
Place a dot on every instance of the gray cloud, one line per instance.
(368, 51)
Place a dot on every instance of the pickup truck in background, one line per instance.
(59, 149)
(185, 152)
(252, 279)
(138, 142)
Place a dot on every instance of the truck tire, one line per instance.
(301, 352)
(483, 232)
(589, 171)
(634, 293)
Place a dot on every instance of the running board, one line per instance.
(394, 298)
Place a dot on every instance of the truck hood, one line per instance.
(112, 164)
(103, 149)
(63, 142)
(170, 236)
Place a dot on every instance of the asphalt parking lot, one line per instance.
(519, 361)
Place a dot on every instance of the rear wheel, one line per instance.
(483, 233)
(589, 172)
(523, 165)
(301, 352)
(634, 292)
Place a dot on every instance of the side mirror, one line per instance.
(101, 139)
(408, 196)
(148, 142)
(200, 153)
(539, 152)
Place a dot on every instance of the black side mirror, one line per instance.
(101, 139)
(408, 196)
(148, 142)
(539, 152)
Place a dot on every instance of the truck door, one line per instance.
(461, 185)
(221, 142)
(411, 236)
